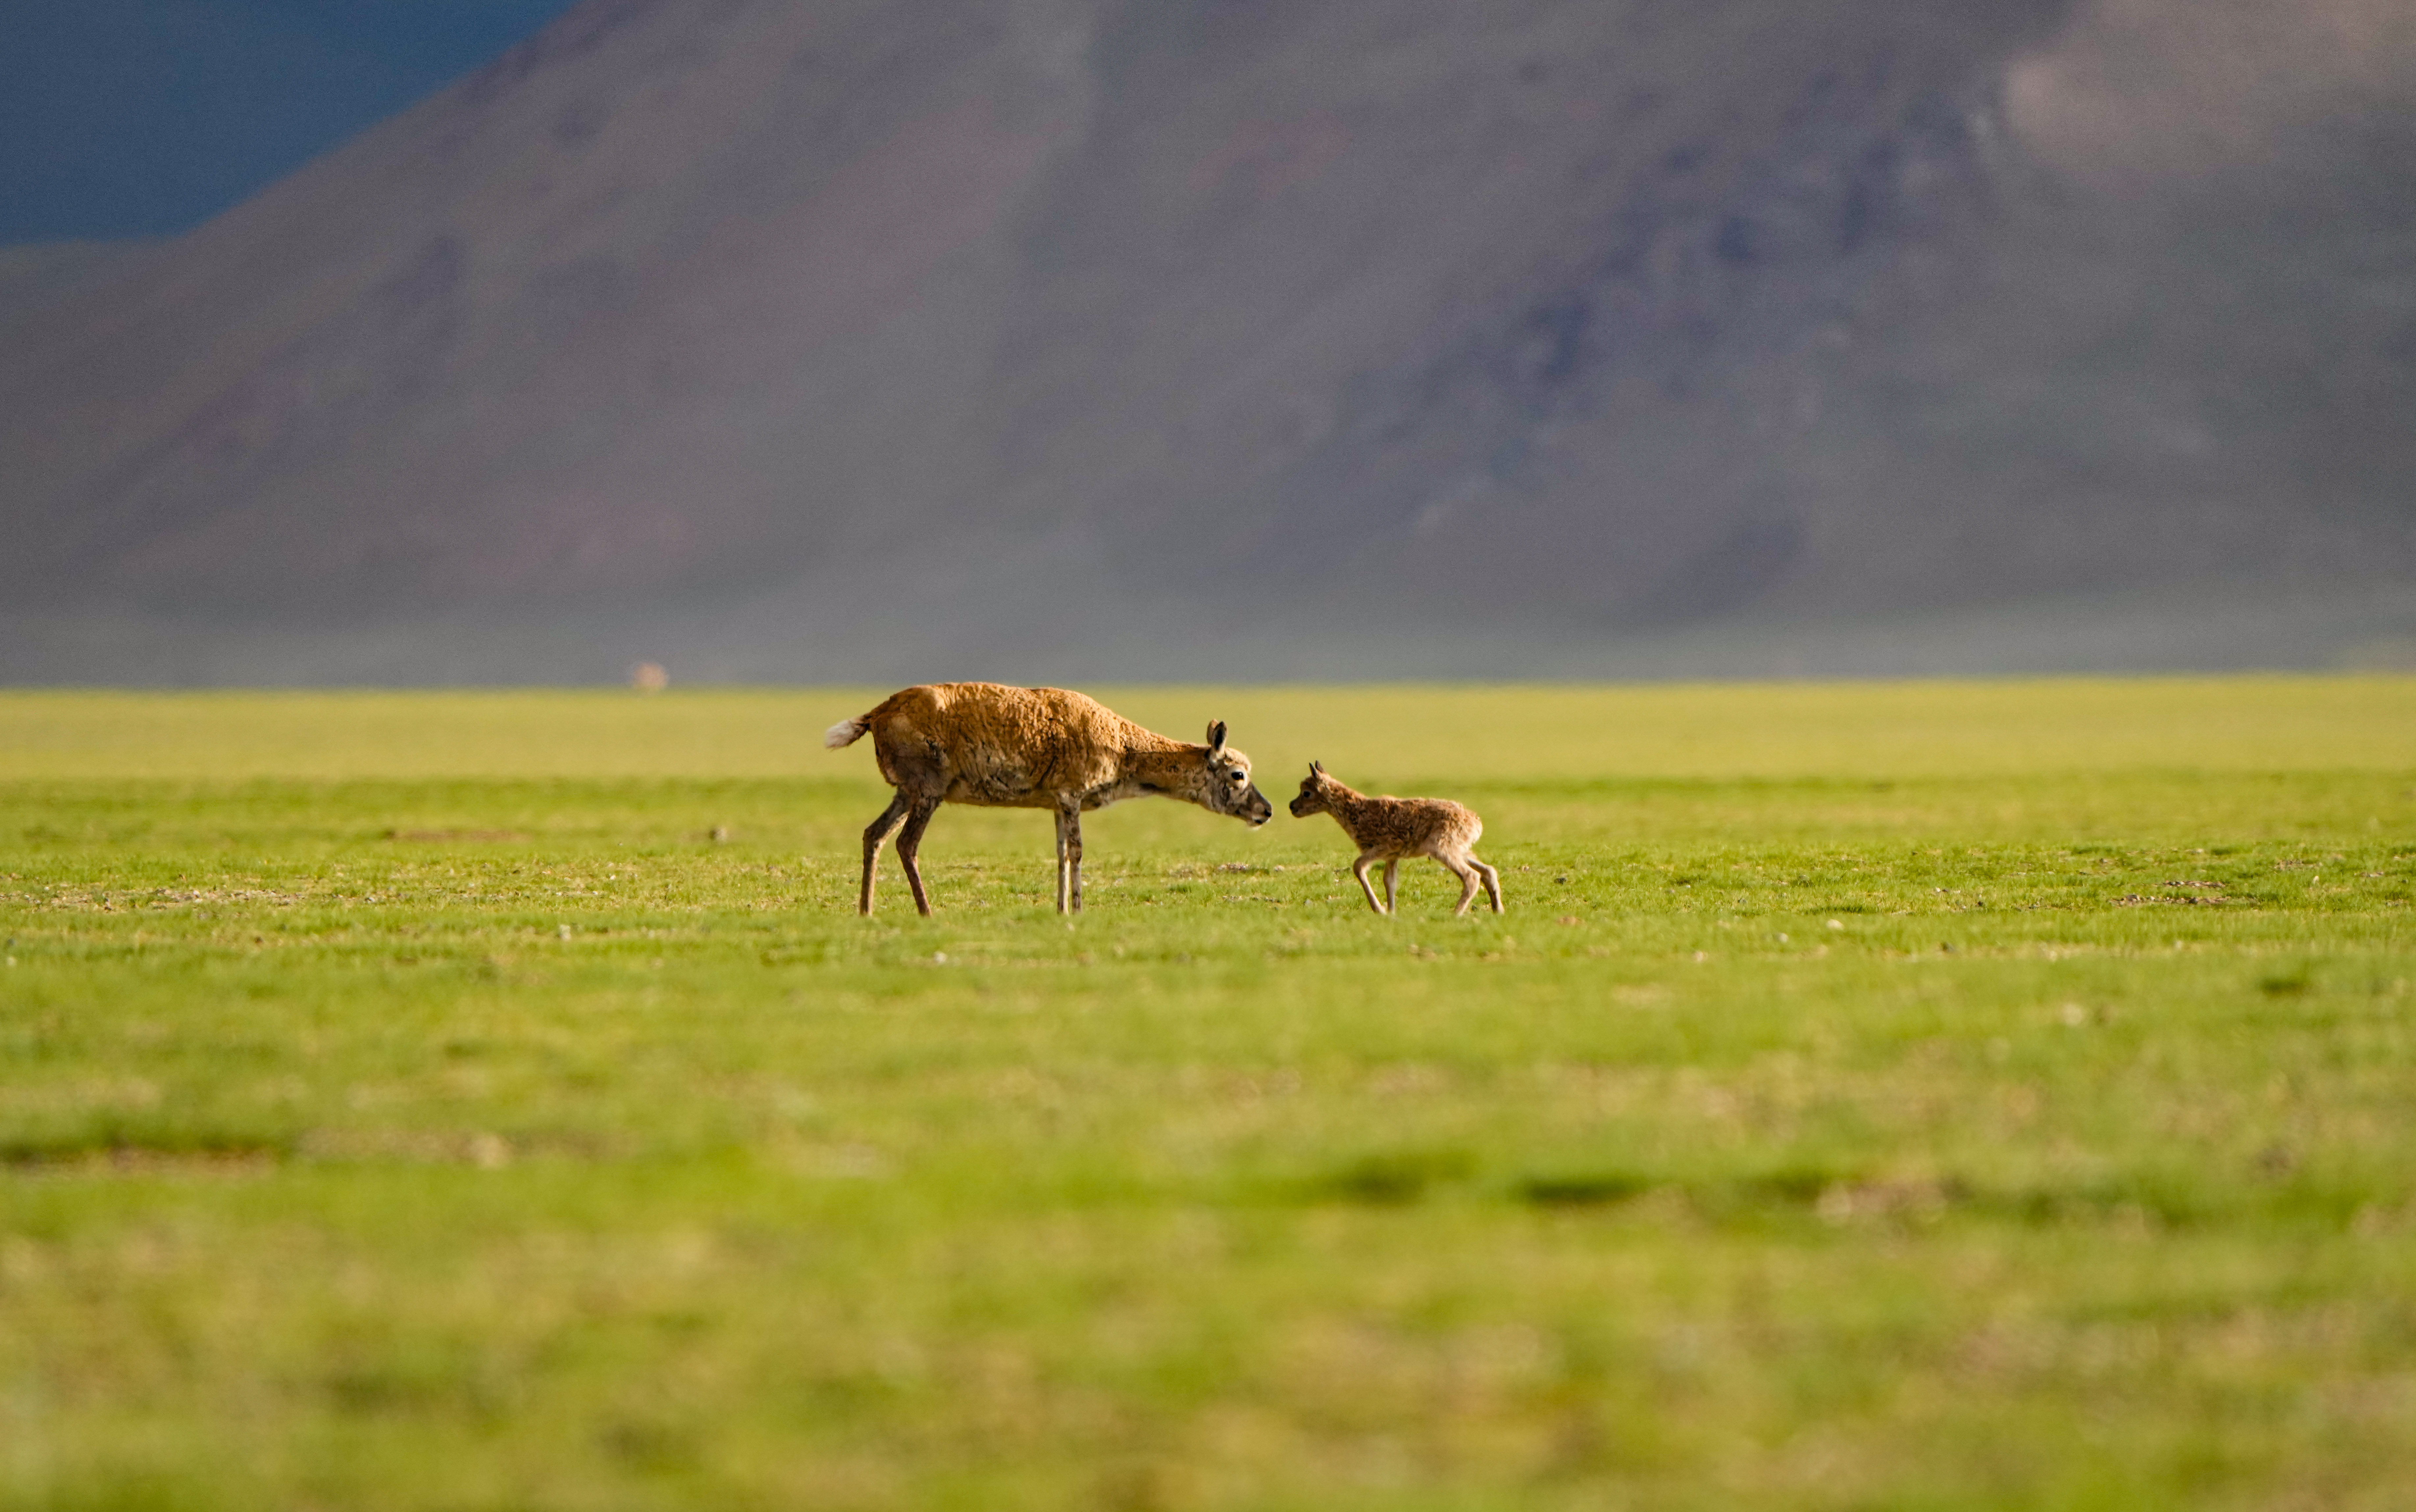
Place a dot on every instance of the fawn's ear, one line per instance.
(1317, 768)
(1215, 737)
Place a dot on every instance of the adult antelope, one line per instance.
(1033, 748)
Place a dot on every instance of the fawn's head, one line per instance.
(1315, 795)
(1229, 788)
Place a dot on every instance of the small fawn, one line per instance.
(1388, 829)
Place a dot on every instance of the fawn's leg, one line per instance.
(1393, 885)
(875, 834)
(1492, 882)
(911, 841)
(1359, 870)
(1466, 871)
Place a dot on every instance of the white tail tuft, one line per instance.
(845, 732)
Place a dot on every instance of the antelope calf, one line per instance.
(1035, 748)
(1388, 829)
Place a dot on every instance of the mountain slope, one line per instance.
(877, 340)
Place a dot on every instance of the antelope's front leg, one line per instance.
(1074, 851)
(1393, 885)
(1359, 870)
(1061, 888)
(1071, 846)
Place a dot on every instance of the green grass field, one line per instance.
(1906, 1096)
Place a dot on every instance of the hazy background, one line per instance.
(144, 117)
(1067, 339)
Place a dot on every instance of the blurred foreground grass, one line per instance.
(1972, 1096)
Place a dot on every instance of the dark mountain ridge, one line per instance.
(867, 340)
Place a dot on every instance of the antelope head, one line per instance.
(1313, 797)
(1227, 788)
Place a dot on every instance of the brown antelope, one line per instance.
(1388, 829)
(1033, 748)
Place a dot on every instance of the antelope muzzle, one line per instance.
(1256, 808)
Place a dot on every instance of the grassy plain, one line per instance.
(1913, 1096)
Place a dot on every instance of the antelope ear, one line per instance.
(1215, 737)
(1317, 768)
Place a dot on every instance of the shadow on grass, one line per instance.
(136, 1147)
(2271, 1193)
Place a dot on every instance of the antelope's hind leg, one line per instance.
(1393, 885)
(910, 842)
(875, 835)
